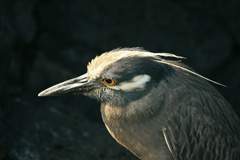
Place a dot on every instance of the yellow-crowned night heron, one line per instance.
(158, 108)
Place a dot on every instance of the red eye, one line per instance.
(109, 82)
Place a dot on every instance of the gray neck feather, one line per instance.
(192, 110)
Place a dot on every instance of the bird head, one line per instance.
(121, 76)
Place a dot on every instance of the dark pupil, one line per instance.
(108, 80)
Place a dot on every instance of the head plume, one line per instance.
(98, 64)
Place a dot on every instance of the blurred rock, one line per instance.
(157, 25)
(56, 130)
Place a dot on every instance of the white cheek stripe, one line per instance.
(137, 82)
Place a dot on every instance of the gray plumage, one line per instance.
(157, 107)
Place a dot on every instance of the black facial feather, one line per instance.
(127, 68)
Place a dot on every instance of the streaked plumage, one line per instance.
(157, 107)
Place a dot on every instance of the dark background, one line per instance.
(46, 42)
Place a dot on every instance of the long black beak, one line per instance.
(76, 85)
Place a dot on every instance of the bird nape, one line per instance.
(158, 108)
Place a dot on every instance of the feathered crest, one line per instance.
(98, 64)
